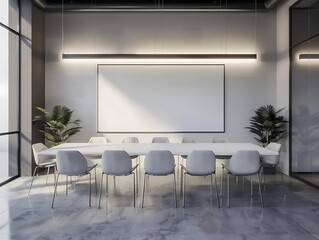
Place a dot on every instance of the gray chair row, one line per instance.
(198, 163)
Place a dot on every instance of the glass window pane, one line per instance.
(8, 156)
(9, 81)
(9, 13)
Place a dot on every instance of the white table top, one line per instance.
(220, 149)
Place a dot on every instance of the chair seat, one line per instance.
(51, 162)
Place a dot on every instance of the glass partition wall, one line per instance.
(304, 91)
(9, 90)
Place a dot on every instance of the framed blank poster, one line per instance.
(160, 98)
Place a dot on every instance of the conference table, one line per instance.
(221, 150)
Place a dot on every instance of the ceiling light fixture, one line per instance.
(159, 56)
(308, 56)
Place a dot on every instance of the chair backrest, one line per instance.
(38, 147)
(245, 162)
(159, 162)
(116, 163)
(98, 140)
(201, 162)
(71, 163)
(130, 140)
(188, 140)
(274, 160)
(220, 140)
(160, 140)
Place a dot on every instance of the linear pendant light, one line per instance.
(308, 56)
(159, 56)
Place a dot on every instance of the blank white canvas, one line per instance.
(160, 98)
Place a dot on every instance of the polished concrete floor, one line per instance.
(294, 215)
(312, 178)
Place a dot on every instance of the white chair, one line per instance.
(160, 140)
(98, 140)
(41, 162)
(117, 163)
(243, 163)
(200, 163)
(187, 140)
(131, 140)
(273, 161)
(94, 160)
(159, 163)
(72, 163)
(222, 139)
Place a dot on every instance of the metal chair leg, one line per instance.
(95, 181)
(137, 172)
(261, 195)
(90, 190)
(264, 178)
(181, 184)
(66, 185)
(175, 191)
(228, 191)
(55, 188)
(216, 189)
(184, 187)
(222, 180)
(251, 186)
(107, 184)
(211, 185)
(100, 194)
(54, 167)
(134, 187)
(48, 171)
(35, 170)
(143, 191)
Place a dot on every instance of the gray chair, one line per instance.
(273, 161)
(159, 163)
(185, 140)
(117, 163)
(72, 163)
(200, 163)
(243, 163)
(42, 162)
(160, 140)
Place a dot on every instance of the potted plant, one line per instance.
(57, 125)
(267, 125)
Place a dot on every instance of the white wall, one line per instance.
(283, 64)
(249, 84)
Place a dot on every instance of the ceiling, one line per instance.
(157, 4)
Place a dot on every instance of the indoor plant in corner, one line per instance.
(57, 125)
(267, 125)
